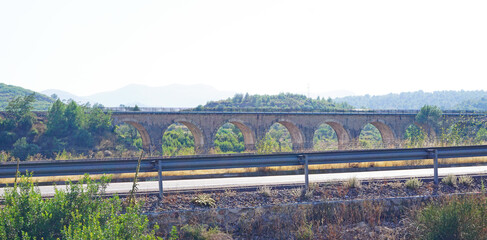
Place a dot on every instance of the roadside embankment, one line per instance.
(340, 210)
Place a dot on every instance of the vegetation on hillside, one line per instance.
(9, 92)
(474, 105)
(280, 102)
(68, 127)
(446, 100)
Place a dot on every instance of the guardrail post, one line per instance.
(306, 170)
(159, 168)
(435, 164)
(435, 152)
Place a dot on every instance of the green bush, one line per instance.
(450, 180)
(22, 149)
(204, 200)
(80, 212)
(455, 218)
(413, 183)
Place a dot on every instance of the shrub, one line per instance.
(22, 149)
(296, 192)
(204, 200)
(352, 182)
(202, 232)
(302, 193)
(450, 180)
(308, 194)
(465, 180)
(314, 186)
(305, 232)
(454, 219)
(80, 212)
(413, 183)
(395, 184)
(265, 191)
(230, 193)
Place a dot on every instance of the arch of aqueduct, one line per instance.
(254, 126)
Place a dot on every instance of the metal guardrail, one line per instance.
(206, 162)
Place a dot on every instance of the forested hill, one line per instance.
(9, 92)
(280, 102)
(447, 100)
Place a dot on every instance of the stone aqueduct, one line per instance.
(254, 126)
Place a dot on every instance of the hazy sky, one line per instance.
(261, 46)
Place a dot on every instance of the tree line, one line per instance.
(446, 100)
(279, 102)
(69, 127)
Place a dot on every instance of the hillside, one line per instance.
(476, 105)
(9, 92)
(280, 102)
(447, 100)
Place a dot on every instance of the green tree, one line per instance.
(99, 122)
(229, 139)
(481, 136)
(429, 117)
(465, 130)
(18, 122)
(266, 145)
(75, 127)
(415, 136)
(22, 149)
(177, 140)
(128, 137)
(19, 110)
(75, 117)
(56, 120)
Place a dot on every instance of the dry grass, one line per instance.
(395, 184)
(266, 191)
(352, 182)
(465, 180)
(230, 192)
(450, 180)
(296, 192)
(413, 183)
(327, 221)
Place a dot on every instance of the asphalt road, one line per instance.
(193, 184)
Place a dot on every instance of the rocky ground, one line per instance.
(269, 195)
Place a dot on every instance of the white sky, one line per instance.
(374, 47)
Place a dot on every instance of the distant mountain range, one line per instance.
(175, 95)
(178, 95)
